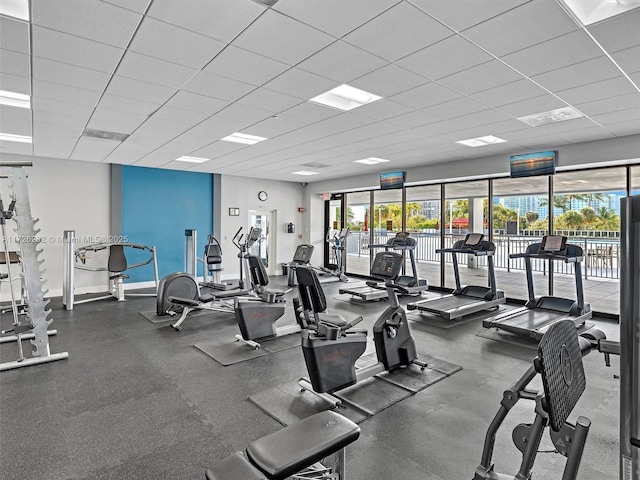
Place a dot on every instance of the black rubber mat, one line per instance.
(288, 403)
(227, 351)
(155, 318)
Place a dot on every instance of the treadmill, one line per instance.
(468, 299)
(411, 283)
(539, 313)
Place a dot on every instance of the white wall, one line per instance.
(242, 193)
(65, 195)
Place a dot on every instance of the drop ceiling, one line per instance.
(177, 80)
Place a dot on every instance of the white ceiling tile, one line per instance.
(451, 55)
(78, 51)
(594, 70)
(586, 135)
(425, 96)
(456, 108)
(174, 44)
(342, 62)
(388, 80)
(43, 130)
(622, 102)
(63, 93)
(269, 100)
(135, 5)
(483, 118)
(196, 103)
(509, 93)
(15, 147)
(217, 87)
(65, 121)
(568, 126)
(521, 27)
(437, 128)
(153, 70)
(272, 127)
(14, 63)
(482, 77)
(54, 147)
(618, 33)
(218, 149)
(64, 108)
(628, 59)
(530, 106)
(89, 19)
(383, 109)
(14, 35)
(401, 30)
(312, 112)
(282, 38)
(220, 19)
(15, 83)
(218, 127)
(335, 17)
(414, 119)
(16, 121)
(245, 66)
(113, 121)
(93, 149)
(139, 90)
(301, 84)
(127, 105)
(625, 128)
(597, 91)
(463, 14)
(609, 119)
(71, 75)
(349, 120)
(245, 114)
(560, 52)
(179, 115)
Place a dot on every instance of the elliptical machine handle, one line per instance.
(352, 323)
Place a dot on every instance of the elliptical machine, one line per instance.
(331, 349)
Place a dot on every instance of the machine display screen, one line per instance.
(554, 243)
(303, 253)
(386, 265)
(473, 239)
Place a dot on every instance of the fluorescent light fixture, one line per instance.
(15, 8)
(371, 161)
(191, 159)
(481, 141)
(9, 137)
(589, 12)
(552, 116)
(14, 99)
(243, 138)
(345, 98)
(304, 172)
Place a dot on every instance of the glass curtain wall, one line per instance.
(358, 220)
(334, 225)
(520, 217)
(635, 180)
(587, 210)
(423, 223)
(465, 211)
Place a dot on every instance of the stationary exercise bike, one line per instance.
(331, 348)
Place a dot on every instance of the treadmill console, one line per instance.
(553, 244)
(473, 240)
(386, 265)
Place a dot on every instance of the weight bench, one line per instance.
(291, 450)
(204, 302)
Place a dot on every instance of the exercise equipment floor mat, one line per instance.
(227, 351)
(153, 317)
(434, 320)
(288, 403)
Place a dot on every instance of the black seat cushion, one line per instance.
(235, 467)
(294, 448)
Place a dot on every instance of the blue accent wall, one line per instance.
(157, 206)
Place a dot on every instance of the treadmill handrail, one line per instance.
(470, 251)
(546, 256)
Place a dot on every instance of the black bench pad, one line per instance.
(190, 302)
(235, 467)
(292, 449)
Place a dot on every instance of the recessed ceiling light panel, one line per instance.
(371, 161)
(243, 138)
(304, 172)
(481, 141)
(9, 137)
(589, 12)
(191, 159)
(15, 8)
(345, 98)
(552, 116)
(14, 99)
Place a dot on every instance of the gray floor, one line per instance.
(136, 400)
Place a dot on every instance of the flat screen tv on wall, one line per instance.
(533, 164)
(391, 180)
